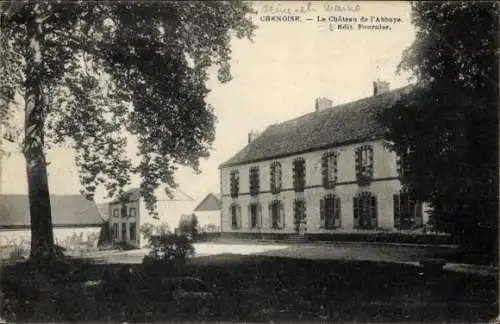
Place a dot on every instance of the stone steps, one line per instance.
(296, 239)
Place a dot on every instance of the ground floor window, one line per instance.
(330, 212)
(277, 214)
(132, 231)
(254, 211)
(408, 213)
(235, 211)
(299, 213)
(124, 231)
(365, 211)
(115, 231)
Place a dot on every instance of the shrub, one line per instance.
(188, 225)
(148, 230)
(168, 250)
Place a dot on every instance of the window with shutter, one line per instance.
(276, 214)
(373, 211)
(329, 169)
(235, 179)
(255, 213)
(409, 211)
(364, 164)
(299, 212)
(355, 206)
(254, 181)
(235, 212)
(275, 177)
(299, 175)
(337, 213)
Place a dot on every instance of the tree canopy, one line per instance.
(91, 72)
(446, 131)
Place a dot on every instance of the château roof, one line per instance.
(352, 122)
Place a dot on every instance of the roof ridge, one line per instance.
(338, 125)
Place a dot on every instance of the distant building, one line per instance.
(126, 220)
(208, 213)
(71, 215)
(324, 172)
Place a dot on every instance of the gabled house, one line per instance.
(71, 215)
(126, 219)
(208, 213)
(324, 172)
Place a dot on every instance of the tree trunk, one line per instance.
(42, 238)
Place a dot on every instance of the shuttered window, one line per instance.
(235, 212)
(132, 231)
(275, 177)
(276, 215)
(365, 211)
(254, 181)
(235, 183)
(330, 212)
(408, 213)
(255, 214)
(329, 169)
(364, 163)
(299, 175)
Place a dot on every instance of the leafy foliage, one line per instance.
(188, 225)
(445, 130)
(168, 251)
(92, 73)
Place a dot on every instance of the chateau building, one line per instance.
(324, 172)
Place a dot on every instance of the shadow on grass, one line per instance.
(249, 288)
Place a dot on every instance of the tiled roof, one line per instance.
(347, 123)
(210, 203)
(66, 210)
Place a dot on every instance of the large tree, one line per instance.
(446, 129)
(92, 72)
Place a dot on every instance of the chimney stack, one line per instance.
(380, 87)
(252, 136)
(323, 103)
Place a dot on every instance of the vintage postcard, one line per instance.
(249, 161)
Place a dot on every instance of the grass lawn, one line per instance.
(254, 288)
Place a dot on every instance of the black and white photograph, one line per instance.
(249, 161)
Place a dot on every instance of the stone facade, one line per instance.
(384, 185)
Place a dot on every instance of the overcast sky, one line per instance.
(277, 77)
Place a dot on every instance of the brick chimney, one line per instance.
(380, 86)
(323, 103)
(252, 136)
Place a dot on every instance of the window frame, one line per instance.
(329, 169)
(132, 231)
(275, 177)
(364, 163)
(254, 181)
(234, 183)
(278, 207)
(235, 212)
(299, 174)
(330, 209)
